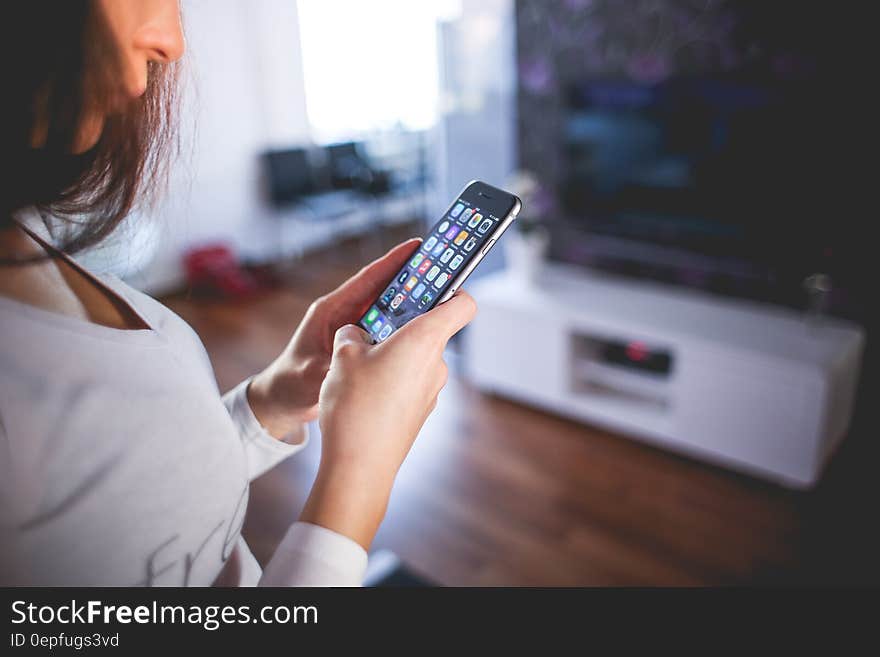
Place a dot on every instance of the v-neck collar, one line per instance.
(33, 223)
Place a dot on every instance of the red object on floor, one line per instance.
(214, 270)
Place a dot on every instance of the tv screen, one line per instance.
(714, 145)
(709, 170)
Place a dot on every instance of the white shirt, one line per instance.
(120, 463)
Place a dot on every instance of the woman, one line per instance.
(120, 463)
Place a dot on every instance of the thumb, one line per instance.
(350, 335)
(449, 317)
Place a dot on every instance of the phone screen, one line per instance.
(445, 252)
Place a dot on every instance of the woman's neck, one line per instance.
(46, 280)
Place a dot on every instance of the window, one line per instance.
(369, 66)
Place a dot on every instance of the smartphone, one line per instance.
(453, 248)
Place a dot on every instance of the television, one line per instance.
(696, 179)
(717, 146)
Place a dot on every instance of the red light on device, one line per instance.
(637, 351)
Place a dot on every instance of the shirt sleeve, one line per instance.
(263, 451)
(310, 555)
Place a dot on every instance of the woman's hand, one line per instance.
(373, 403)
(285, 394)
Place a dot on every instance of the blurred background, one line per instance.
(668, 380)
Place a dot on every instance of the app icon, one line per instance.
(385, 332)
(420, 288)
(424, 266)
(456, 261)
(456, 210)
(451, 232)
(427, 246)
(388, 296)
(397, 301)
(441, 280)
(374, 312)
(433, 273)
(426, 299)
(443, 226)
(417, 258)
(377, 325)
(471, 243)
(447, 254)
(466, 215)
(411, 283)
(462, 236)
(475, 220)
(486, 225)
(438, 249)
(403, 275)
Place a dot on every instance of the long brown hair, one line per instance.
(63, 62)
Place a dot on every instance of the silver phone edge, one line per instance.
(496, 235)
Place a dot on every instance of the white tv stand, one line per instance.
(754, 387)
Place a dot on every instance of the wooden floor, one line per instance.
(496, 493)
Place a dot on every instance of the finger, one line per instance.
(442, 375)
(448, 318)
(350, 335)
(359, 291)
